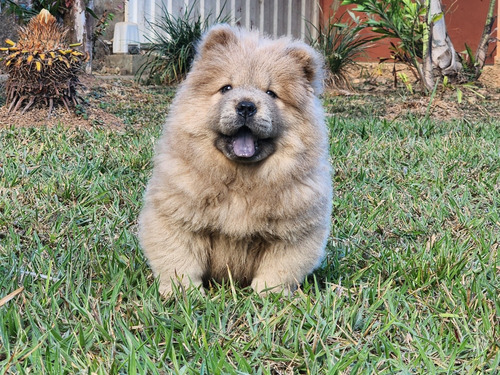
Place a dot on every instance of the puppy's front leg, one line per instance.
(284, 266)
(175, 256)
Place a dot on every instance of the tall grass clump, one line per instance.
(340, 43)
(172, 46)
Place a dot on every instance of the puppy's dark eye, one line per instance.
(226, 88)
(272, 94)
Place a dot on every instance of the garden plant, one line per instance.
(42, 67)
(341, 43)
(172, 47)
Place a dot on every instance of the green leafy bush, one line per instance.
(341, 43)
(172, 46)
(403, 20)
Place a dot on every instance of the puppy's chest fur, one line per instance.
(236, 213)
(237, 228)
(232, 258)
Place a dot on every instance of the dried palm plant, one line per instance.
(42, 66)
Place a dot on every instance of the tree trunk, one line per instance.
(482, 49)
(439, 57)
(426, 70)
(83, 27)
(443, 55)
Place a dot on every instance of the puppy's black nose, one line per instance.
(246, 109)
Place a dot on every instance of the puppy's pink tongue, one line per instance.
(244, 144)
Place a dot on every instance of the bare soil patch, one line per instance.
(120, 102)
(111, 102)
(378, 94)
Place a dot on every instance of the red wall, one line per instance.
(464, 20)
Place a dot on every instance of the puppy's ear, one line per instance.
(311, 62)
(218, 36)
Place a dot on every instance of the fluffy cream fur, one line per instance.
(209, 212)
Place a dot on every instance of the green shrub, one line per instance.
(172, 46)
(403, 20)
(340, 43)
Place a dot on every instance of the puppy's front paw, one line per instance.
(264, 286)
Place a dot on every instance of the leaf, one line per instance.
(10, 296)
(91, 12)
(29, 59)
(64, 60)
(38, 66)
(437, 17)
(10, 42)
(470, 55)
(449, 315)
(459, 96)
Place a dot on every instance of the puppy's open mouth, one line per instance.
(244, 146)
(244, 143)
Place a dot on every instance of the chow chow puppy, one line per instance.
(241, 184)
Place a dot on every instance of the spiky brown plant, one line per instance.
(42, 66)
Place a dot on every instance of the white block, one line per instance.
(125, 33)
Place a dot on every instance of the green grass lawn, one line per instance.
(410, 284)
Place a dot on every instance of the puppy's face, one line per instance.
(248, 123)
(250, 88)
